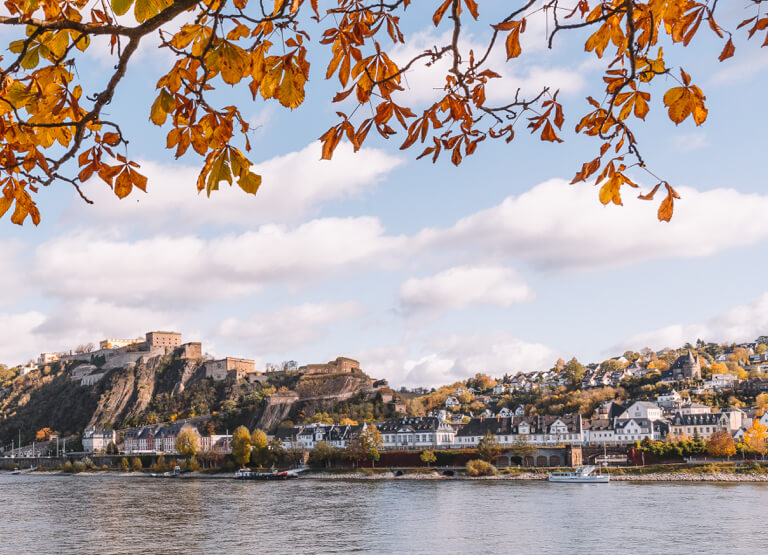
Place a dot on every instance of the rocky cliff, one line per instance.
(161, 388)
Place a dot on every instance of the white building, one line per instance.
(96, 441)
(417, 433)
(643, 409)
(538, 430)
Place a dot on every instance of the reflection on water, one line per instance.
(108, 514)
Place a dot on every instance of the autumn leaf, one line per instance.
(438, 15)
(728, 51)
(145, 9)
(121, 7)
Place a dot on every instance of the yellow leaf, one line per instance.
(146, 9)
(5, 204)
(163, 104)
(250, 183)
(121, 7)
(232, 63)
(271, 81)
(291, 93)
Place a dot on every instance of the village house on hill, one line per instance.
(686, 367)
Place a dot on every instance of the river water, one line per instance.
(117, 514)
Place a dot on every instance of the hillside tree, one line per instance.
(188, 443)
(371, 442)
(721, 444)
(259, 448)
(755, 438)
(488, 448)
(56, 130)
(241, 445)
(428, 457)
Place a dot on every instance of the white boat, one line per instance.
(582, 474)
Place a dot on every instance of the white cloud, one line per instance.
(294, 186)
(557, 226)
(464, 286)
(741, 323)
(12, 282)
(23, 345)
(166, 271)
(688, 142)
(289, 327)
(743, 68)
(456, 357)
(80, 321)
(75, 322)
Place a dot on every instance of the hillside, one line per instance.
(164, 388)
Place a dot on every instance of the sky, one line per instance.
(425, 273)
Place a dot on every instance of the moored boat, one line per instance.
(582, 474)
(245, 474)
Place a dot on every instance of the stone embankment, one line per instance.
(681, 477)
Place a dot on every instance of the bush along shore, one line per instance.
(740, 471)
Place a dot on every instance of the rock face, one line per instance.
(127, 394)
(154, 389)
(278, 408)
(336, 387)
(312, 391)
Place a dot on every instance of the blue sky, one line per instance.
(425, 273)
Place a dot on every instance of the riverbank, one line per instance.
(725, 472)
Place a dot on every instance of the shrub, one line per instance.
(159, 465)
(124, 464)
(78, 466)
(193, 465)
(480, 467)
(66, 467)
(88, 463)
(367, 471)
(136, 464)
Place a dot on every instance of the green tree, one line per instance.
(112, 448)
(188, 443)
(241, 445)
(371, 440)
(428, 457)
(323, 453)
(488, 448)
(260, 449)
(574, 372)
(522, 447)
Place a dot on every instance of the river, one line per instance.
(117, 514)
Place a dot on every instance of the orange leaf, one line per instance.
(728, 51)
(548, 134)
(438, 15)
(123, 184)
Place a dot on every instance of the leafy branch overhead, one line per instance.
(54, 132)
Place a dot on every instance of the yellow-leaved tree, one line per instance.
(55, 131)
(755, 438)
